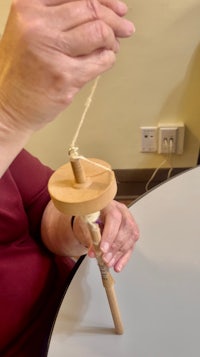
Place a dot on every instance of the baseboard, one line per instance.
(131, 182)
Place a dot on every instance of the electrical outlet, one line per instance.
(167, 140)
(171, 138)
(148, 139)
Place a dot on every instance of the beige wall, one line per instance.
(156, 79)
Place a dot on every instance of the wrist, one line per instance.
(12, 140)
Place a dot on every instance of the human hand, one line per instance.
(119, 235)
(50, 49)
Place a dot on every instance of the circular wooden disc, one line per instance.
(75, 199)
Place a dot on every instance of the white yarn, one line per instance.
(94, 163)
(73, 150)
(87, 106)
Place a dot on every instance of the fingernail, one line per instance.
(105, 247)
(122, 7)
(91, 254)
(118, 268)
(107, 257)
(111, 263)
(130, 27)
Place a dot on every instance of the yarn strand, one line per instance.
(87, 106)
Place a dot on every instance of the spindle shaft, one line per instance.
(84, 188)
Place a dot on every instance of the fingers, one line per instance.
(98, 62)
(118, 7)
(119, 236)
(86, 68)
(82, 232)
(77, 13)
(98, 36)
(81, 27)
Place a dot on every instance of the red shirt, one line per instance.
(32, 279)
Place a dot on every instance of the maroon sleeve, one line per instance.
(31, 178)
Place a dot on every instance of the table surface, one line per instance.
(158, 292)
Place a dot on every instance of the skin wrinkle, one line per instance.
(101, 32)
(94, 6)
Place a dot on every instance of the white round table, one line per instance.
(158, 292)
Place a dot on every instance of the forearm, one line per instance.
(13, 133)
(57, 233)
